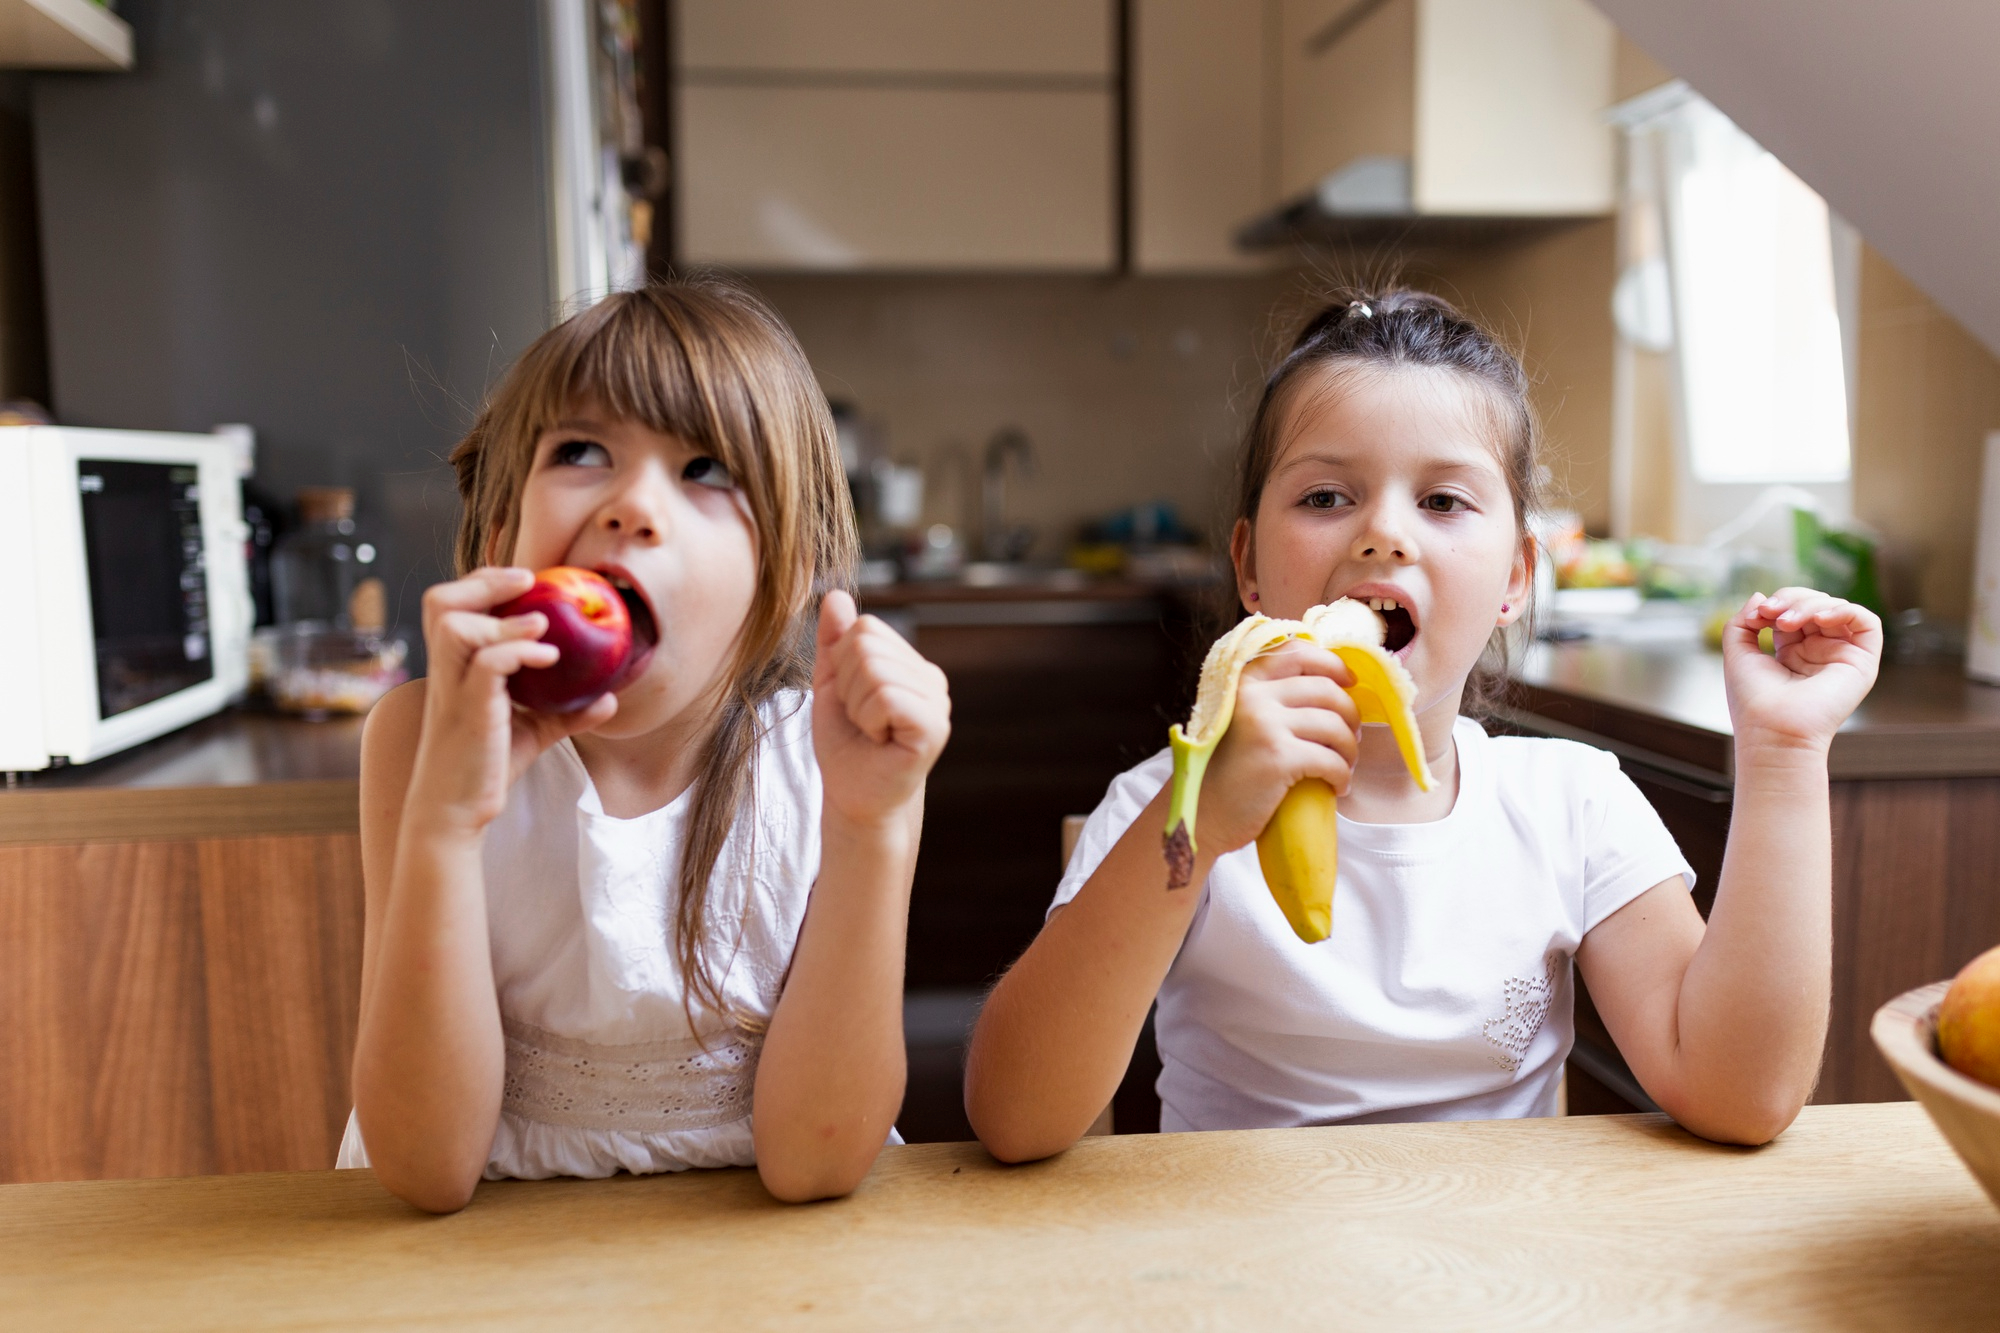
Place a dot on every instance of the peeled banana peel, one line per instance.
(1297, 848)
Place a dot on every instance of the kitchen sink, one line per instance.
(1014, 574)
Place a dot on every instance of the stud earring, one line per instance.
(1505, 607)
(1253, 596)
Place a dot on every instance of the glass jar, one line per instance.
(325, 571)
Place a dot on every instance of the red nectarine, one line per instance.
(590, 626)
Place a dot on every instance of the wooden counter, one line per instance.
(180, 954)
(1916, 816)
(1859, 1217)
(233, 775)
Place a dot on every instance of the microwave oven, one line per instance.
(127, 609)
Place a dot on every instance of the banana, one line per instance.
(1297, 849)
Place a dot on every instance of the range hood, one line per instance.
(1370, 202)
(1422, 119)
(1373, 188)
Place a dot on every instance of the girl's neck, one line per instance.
(1383, 792)
(636, 775)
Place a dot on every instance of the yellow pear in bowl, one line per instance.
(1968, 1024)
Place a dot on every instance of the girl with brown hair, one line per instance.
(665, 931)
(1392, 460)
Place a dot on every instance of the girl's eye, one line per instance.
(580, 453)
(1443, 504)
(1326, 500)
(707, 471)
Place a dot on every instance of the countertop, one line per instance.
(239, 772)
(247, 771)
(1666, 703)
(1857, 1217)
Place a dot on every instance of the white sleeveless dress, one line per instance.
(604, 1073)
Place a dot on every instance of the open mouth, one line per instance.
(1400, 624)
(645, 627)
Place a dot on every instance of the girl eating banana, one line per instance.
(1391, 461)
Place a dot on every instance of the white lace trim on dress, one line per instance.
(649, 1088)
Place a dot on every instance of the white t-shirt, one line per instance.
(1444, 990)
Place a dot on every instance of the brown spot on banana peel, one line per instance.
(1179, 852)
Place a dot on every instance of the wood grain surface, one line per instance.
(1916, 896)
(174, 1008)
(139, 814)
(1858, 1218)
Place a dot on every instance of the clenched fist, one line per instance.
(881, 714)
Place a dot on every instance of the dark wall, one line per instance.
(24, 371)
(326, 220)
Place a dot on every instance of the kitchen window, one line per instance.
(1736, 270)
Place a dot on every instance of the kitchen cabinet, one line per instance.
(1055, 691)
(1445, 108)
(62, 34)
(181, 930)
(896, 178)
(1203, 133)
(1049, 37)
(893, 134)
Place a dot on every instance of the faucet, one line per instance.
(997, 541)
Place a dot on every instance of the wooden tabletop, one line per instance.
(1667, 700)
(1858, 1217)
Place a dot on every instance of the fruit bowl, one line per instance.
(1964, 1109)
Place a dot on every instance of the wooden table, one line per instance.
(1858, 1218)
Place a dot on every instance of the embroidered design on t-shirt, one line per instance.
(1528, 1000)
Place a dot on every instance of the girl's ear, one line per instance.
(1520, 581)
(1243, 555)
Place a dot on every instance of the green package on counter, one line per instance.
(1837, 561)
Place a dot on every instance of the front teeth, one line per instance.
(1383, 604)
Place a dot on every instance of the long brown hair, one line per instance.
(712, 364)
(1386, 330)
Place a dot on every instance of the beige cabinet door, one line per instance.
(1510, 101)
(1203, 132)
(896, 178)
(1495, 105)
(1347, 77)
(1047, 37)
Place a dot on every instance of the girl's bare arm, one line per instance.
(831, 1077)
(437, 759)
(1056, 1034)
(1724, 1025)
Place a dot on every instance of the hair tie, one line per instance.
(1361, 308)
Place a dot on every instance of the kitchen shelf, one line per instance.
(63, 34)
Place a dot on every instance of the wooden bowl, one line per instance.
(1966, 1110)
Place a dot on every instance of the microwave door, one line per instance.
(143, 553)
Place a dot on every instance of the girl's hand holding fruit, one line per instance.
(1294, 719)
(482, 632)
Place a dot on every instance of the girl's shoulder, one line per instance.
(389, 737)
(1557, 785)
(394, 724)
